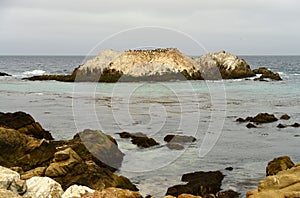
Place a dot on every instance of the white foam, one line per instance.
(34, 72)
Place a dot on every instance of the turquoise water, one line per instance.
(206, 110)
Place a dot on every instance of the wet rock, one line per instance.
(279, 164)
(285, 117)
(4, 74)
(295, 125)
(262, 118)
(175, 146)
(281, 126)
(241, 120)
(77, 191)
(139, 139)
(262, 70)
(24, 123)
(179, 139)
(199, 183)
(229, 168)
(228, 194)
(18, 149)
(284, 184)
(250, 125)
(266, 73)
(115, 193)
(43, 187)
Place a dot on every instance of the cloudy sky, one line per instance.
(80, 27)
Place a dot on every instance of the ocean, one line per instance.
(204, 109)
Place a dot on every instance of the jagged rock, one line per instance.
(279, 164)
(259, 118)
(18, 149)
(76, 191)
(115, 193)
(266, 73)
(179, 139)
(262, 70)
(24, 123)
(199, 183)
(43, 187)
(38, 171)
(250, 125)
(4, 74)
(228, 194)
(285, 184)
(139, 139)
(285, 117)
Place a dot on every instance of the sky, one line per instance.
(77, 27)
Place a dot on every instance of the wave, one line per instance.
(34, 72)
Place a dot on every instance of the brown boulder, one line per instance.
(114, 193)
(279, 164)
(24, 151)
(24, 123)
(285, 117)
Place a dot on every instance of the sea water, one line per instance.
(204, 109)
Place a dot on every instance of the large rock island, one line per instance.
(155, 65)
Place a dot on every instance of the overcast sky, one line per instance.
(77, 26)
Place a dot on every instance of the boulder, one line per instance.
(10, 181)
(115, 193)
(281, 125)
(285, 117)
(266, 73)
(38, 171)
(18, 149)
(284, 184)
(179, 139)
(279, 164)
(4, 193)
(262, 70)
(175, 146)
(259, 118)
(295, 125)
(198, 183)
(43, 187)
(76, 191)
(139, 139)
(228, 194)
(250, 125)
(24, 123)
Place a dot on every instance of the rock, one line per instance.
(241, 120)
(95, 146)
(229, 168)
(24, 123)
(266, 73)
(174, 146)
(281, 126)
(199, 183)
(7, 177)
(262, 70)
(62, 167)
(4, 193)
(28, 152)
(139, 139)
(279, 164)
(250, 125)
(285, 117)
(262, 118)
(115, 193)
(228, 194)
(75, 191)
(179, 139)
(284, 184)
(39, 171)
(43, 187)
(295, 125)
(4, 74)
(222, 65)
(155, 65)
(184, 195)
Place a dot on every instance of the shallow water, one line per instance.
(206, 110)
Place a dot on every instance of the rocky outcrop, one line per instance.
(24, 123)
(279, 164)
(18, 149)
(198, 183)
(114, 193)
(139, 139)
(76, 191)
(4, 74)
(266, 73)
(285, 184)
(155, 65)
(259, 118)
(222, 65)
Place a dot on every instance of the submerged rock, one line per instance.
(279, 164)
(259, 118)
(139, 139)
(285, 117)
(179, 138)
(295, 125)
(281, 126)
(24, 123)
(198, 183)
(4, 74)
(250, 125)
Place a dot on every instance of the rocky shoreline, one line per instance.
(160, 65)
(32, 164)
